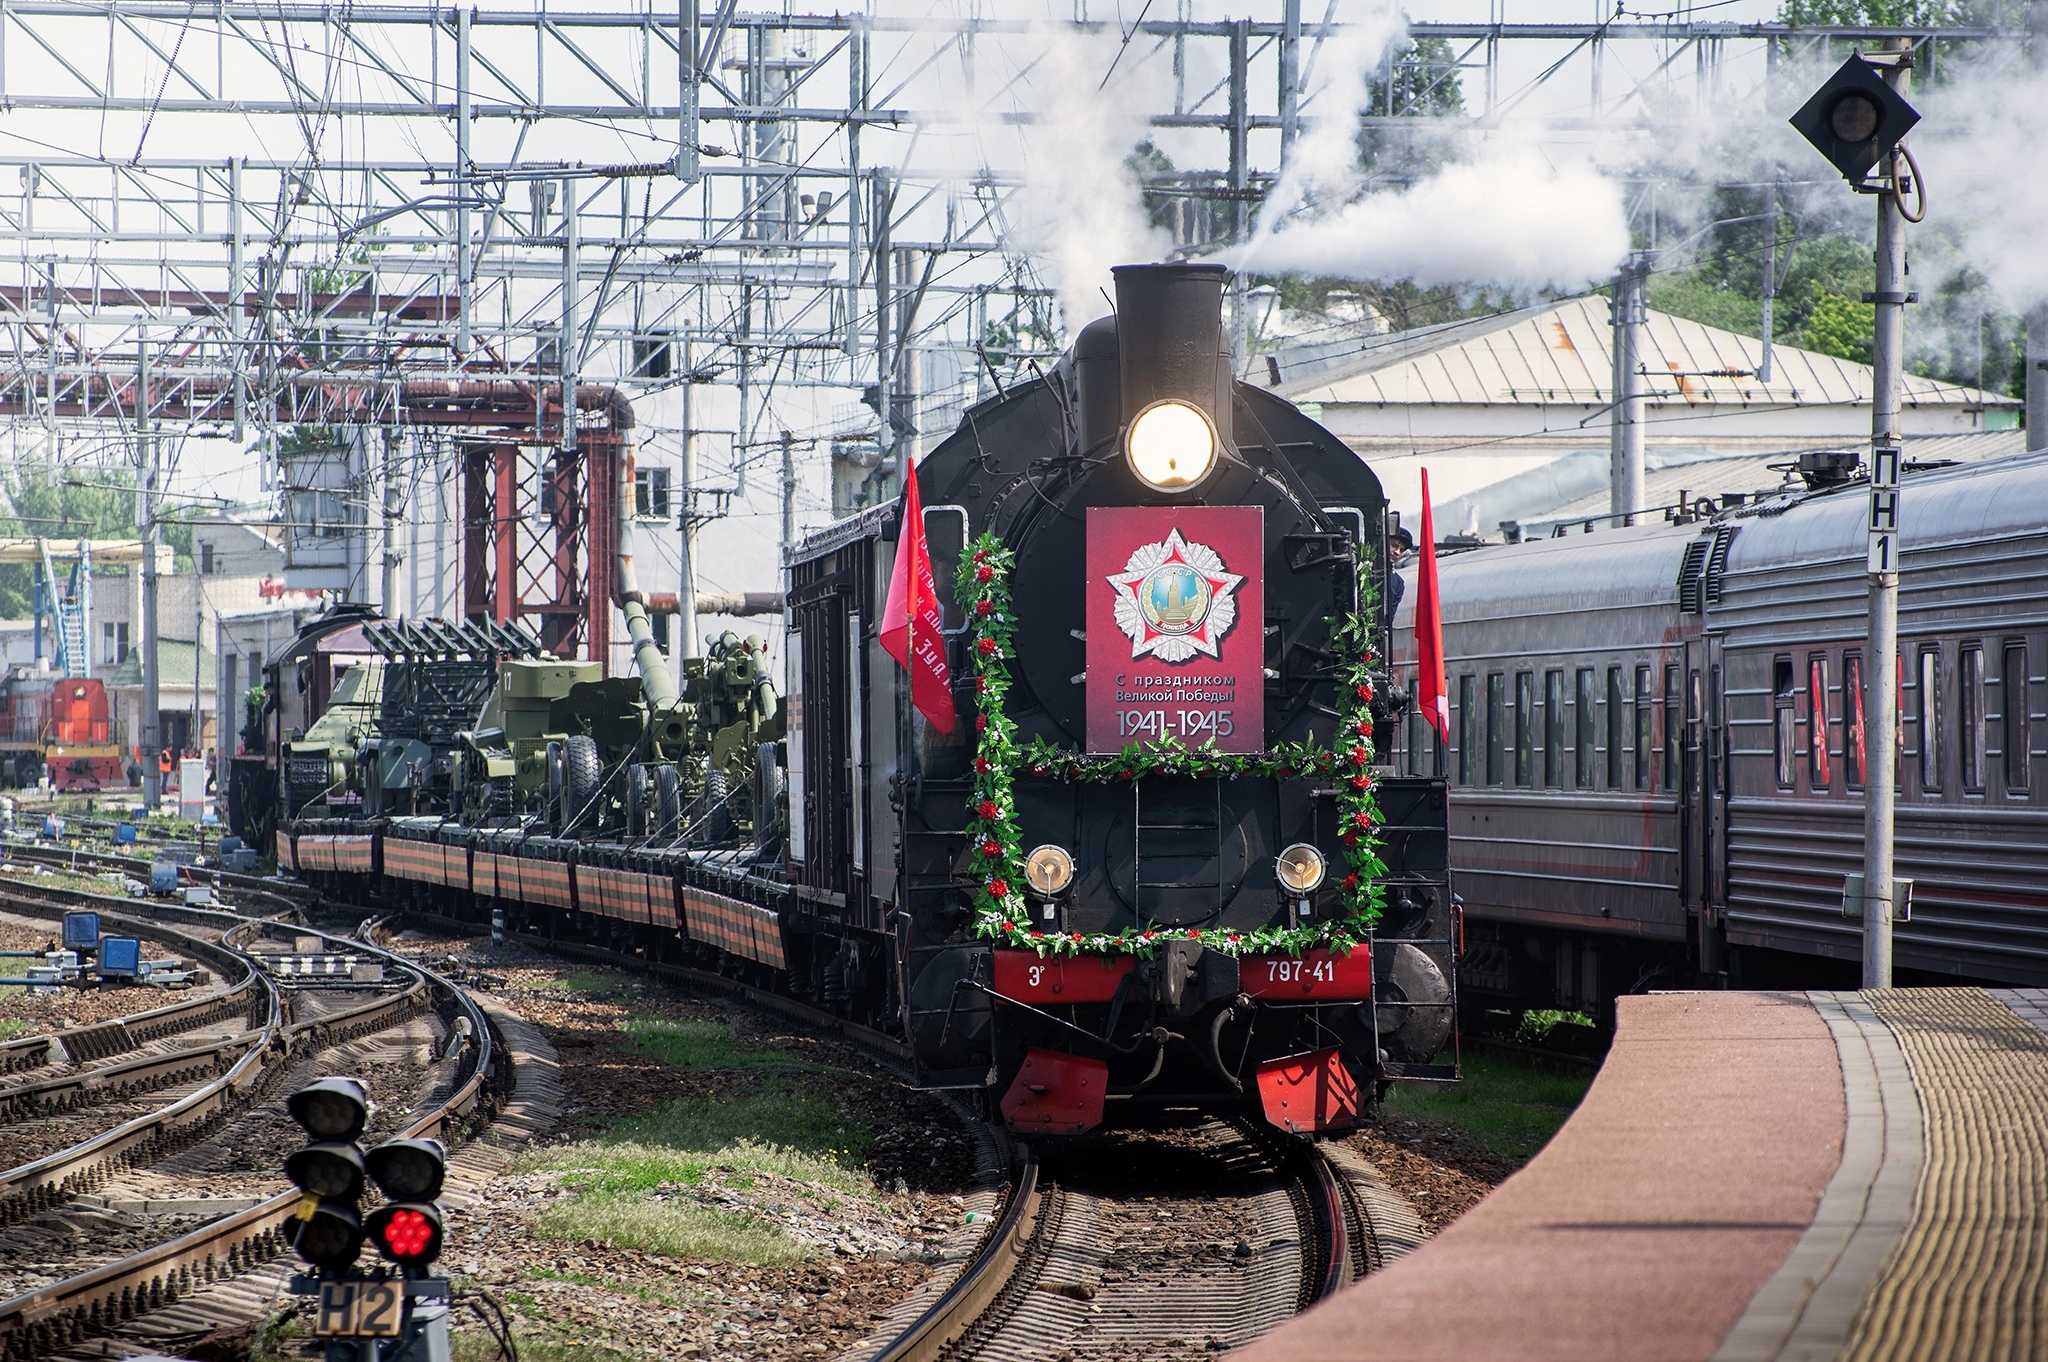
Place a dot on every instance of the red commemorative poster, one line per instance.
(1176, 626)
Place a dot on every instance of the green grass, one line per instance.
(10, 1027)
(471, 1343)
(774, 1118)
(1536, 1026)
(674, 1229)
(1509, 1106)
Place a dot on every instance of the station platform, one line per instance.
(1752, 1176)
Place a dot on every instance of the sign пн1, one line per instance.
(1176, 614)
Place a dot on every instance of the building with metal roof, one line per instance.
(1511, 413)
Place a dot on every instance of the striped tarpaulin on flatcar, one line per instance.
(316, 851)
(661, 902)
(287, 859)
(734, 927)
(545, 882)
(455, 866)
(483, 873)
(355, 854)
(594, 891)
(619, 894)
(407, 860)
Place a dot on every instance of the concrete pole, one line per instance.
(568, 342)
(1625, 425)
(393, 554)
(2036, 360)
(686, 585)
(1763, 368)
(1880, 738)
(198, 629)
(238, 287)
(462, 186)
(788, 499)
(151, 737)
(1290, 77)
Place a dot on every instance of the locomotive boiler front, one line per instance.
(1174, 848)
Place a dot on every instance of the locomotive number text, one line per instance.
(1295, 971)
(1175, 723)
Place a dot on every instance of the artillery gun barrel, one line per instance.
(656, 681)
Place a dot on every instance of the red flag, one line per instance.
(1432, 691)
(910, 621)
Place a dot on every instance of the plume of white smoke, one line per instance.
(1081, 210)
(1980, 143)
(1323, 162)
(1509, 216)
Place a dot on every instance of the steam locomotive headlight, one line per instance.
(1171, 446)
(1049, 870)
(1300, 868)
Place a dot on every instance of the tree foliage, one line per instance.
(66, 503)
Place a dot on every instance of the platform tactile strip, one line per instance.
(1968, 1277)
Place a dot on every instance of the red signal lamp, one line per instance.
(407, 1232)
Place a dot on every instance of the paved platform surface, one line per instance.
(1752, 1176)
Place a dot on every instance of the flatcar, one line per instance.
(1143, 852)
(1657, 749)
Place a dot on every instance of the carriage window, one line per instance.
(1589, 732)
(2013, 700)
(1468, 720)
(1927, 715)
(1783, 731)
(1496, 728)
(1672, 730)
(1970, 715)
(1646, 744)
(1525, 696)
(1553, 730)
(1616, 698)
(1424, 746)
(1819, 771)
(1853, 761)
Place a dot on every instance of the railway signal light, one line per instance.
(408, 1170)
(407, 1232)
(1855, 119)
(326, 1231)
(407, 1228)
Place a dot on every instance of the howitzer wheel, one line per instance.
(639, 796)
(668, 802)
(554, 793)
(714, 819)
(580, 774)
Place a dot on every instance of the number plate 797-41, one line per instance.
(360, 1309)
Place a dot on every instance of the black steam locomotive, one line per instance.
(1153, 858)
(1657, 746)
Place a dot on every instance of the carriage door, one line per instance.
(1692, 782)
(1711, 798)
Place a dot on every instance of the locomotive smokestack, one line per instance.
(1171, 341)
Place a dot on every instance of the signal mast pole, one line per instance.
(1880, 680)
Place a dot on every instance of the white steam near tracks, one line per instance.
(1510, 216)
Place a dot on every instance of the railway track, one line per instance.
(63, 1313)
(1082, 1254)
(1155, 1243)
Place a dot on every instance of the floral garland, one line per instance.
(996, 853)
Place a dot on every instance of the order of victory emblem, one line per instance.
(1175, 600)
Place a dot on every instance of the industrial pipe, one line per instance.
(656, 681)
(739, 602)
